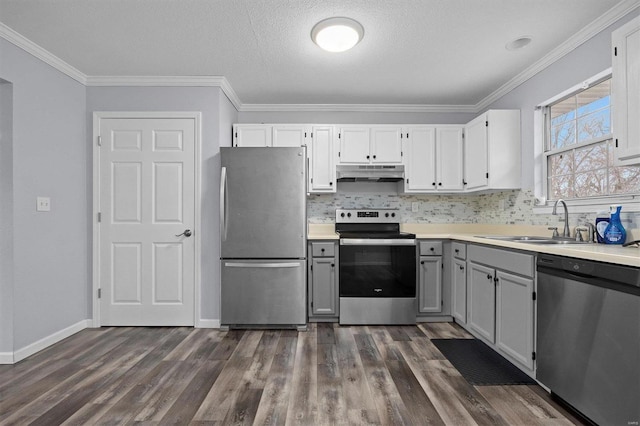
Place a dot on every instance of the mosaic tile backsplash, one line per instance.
(504, 208)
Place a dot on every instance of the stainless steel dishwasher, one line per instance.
(588, 344)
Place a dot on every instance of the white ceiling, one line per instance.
(417, 52)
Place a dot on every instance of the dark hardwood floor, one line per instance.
(328, 375)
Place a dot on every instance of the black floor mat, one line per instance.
(479, 364)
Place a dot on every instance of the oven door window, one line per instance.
(377, 271)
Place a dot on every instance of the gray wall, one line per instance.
(6, 216)
(356, 117)
(587, 60)
(214, 106)
(49, 159)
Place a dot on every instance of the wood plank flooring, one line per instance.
(328, 375)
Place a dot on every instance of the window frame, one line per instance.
(542, 205)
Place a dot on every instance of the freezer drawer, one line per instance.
(263, 293)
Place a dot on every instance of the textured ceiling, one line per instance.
(429, 52)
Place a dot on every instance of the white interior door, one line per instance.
(146, 203)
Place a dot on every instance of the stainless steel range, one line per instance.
(377, 274)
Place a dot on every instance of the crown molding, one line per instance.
(35, 50)
(603, 21)
(168, 81)
(356, 108)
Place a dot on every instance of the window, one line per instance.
(579, 152)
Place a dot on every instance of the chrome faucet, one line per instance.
(566, 232)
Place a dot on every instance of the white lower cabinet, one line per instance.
(501, 301)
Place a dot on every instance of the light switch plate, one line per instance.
(43, 204)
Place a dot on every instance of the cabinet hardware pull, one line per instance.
(461, 267)
(422, 263)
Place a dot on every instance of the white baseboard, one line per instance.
(208, 323)
(45, 342)
(6, 358)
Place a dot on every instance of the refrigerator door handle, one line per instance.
(262, 265)
(223, 203)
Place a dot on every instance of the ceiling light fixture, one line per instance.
(337, 34)
(518, 43)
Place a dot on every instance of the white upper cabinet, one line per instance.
(449, 158)
(433, 160)
(252, 135)
(270, 135)
(290, 135)
(626, 92)
(321, 153)
(386, 144)
(492, 151)
(370, 145)
(354, 145)
(420, 161)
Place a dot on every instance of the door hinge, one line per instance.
(236, 136)
(99, 293)
(533, 295)
(99, 140)
(311, 180)
(442, 266)
(312, 303)
(339, 135)
(311, 268)
(338, 153)
(487, 175)
(486, 123)
(441, 303)
(496, 279)
(311, 135)
(533, 356)
(99, 217)
(407, 180)
(615, 51)
(401, 154)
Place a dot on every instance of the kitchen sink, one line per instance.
(514, 237)
(533, 239)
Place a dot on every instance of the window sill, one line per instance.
(629, 203)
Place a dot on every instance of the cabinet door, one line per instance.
(386, 145)
(626, 92)
(481, 301)
(420, 161)
(354, 145)
(288, 135)
(476, 154)
(322, 173)
(430, 290)
(323, 286)
(459, 290)
(514, 317)
(449, 159)
(252, 135)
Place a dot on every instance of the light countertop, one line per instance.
(470, 233)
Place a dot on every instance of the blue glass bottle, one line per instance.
(615, 233)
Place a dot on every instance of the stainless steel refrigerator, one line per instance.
(263, 230)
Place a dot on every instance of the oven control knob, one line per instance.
(386, 215)
(341, 214)
(393, 215)
(348, 214)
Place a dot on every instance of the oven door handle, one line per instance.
(375, 242)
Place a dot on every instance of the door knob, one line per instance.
(186, 233)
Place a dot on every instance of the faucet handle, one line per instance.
(555, 230)
(578, 232)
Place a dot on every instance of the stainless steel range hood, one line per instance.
(356, 173)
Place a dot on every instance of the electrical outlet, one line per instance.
(415, 206)
(43, 204)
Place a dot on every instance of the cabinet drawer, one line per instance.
(512, 261)
(322, 249)
(459, 250)
(430, 248)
